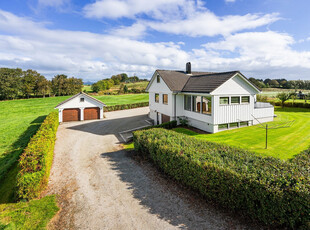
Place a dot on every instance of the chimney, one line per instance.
(188, 68)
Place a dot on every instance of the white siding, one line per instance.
(233, 112)
(161, 88)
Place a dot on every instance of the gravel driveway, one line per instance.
(101, 186)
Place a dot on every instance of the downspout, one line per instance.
(175, 106)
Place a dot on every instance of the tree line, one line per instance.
(281, 83)
(118, 79)
(16, 83)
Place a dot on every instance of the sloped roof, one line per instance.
(199, 82)
(78, 94)
(207, 83)
(176, 80)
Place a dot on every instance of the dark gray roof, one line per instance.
(199, 82)
(207, 83)
(176, 80)
(78, 94)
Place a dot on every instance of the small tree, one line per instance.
(283, 97)
(125, 89)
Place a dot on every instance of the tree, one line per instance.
(58, 84)
(283, 97)
(29, 82)
(10, 83)
(42, 86)
(125, 89)
(95, 87)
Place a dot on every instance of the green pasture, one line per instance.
(283, 143)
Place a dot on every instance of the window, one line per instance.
(206, 105)
(245, 99)
(156, 97)
(223, 126)
(244, 123)
(187, 102)
(233, 125)
(235, 100)
(158, 78)
(165, 99)
(224, 100)
(82, 99)
(196, 103)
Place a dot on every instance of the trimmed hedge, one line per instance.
(36, 160)
(291, 104)
(125, 106)
(269, 189)
(166, 125)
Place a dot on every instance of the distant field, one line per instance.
(283, 143)
(272, 92)
(136, 85)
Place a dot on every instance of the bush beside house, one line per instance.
(271, 190)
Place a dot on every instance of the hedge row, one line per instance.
(36, 160)
(126, 106)
(291, 104)
(166, 125)
(269, 189)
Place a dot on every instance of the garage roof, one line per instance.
(78, 94)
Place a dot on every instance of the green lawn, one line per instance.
(34, 214)
(284, 143)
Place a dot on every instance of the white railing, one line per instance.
(258, 105)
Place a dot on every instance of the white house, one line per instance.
(80, 107)
(209, 101)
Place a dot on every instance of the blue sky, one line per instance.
(96, 39)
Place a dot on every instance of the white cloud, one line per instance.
(230, 1)
(208, 24)
(260, 52)
(52, 3)
(28, 44)
(134, 31)
(84, 54)
(128, 8)
(180, 17)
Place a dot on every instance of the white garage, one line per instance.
(80, 107)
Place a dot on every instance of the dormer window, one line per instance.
(158, 78)
(81, 99)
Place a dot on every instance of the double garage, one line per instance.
(80, 107)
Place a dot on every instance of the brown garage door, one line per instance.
(71, 115)
(91, 113)
(165, 118)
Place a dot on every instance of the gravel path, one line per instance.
(101, 186)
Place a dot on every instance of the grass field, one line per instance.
(135, 85)
(272, 92)
(283, 143)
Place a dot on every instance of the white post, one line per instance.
(60, 115)
(82, 114)
(101, 113)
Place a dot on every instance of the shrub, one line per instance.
(269, 189)
(126, 106)
(36, 160)
(166, 125)
(291, 104)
